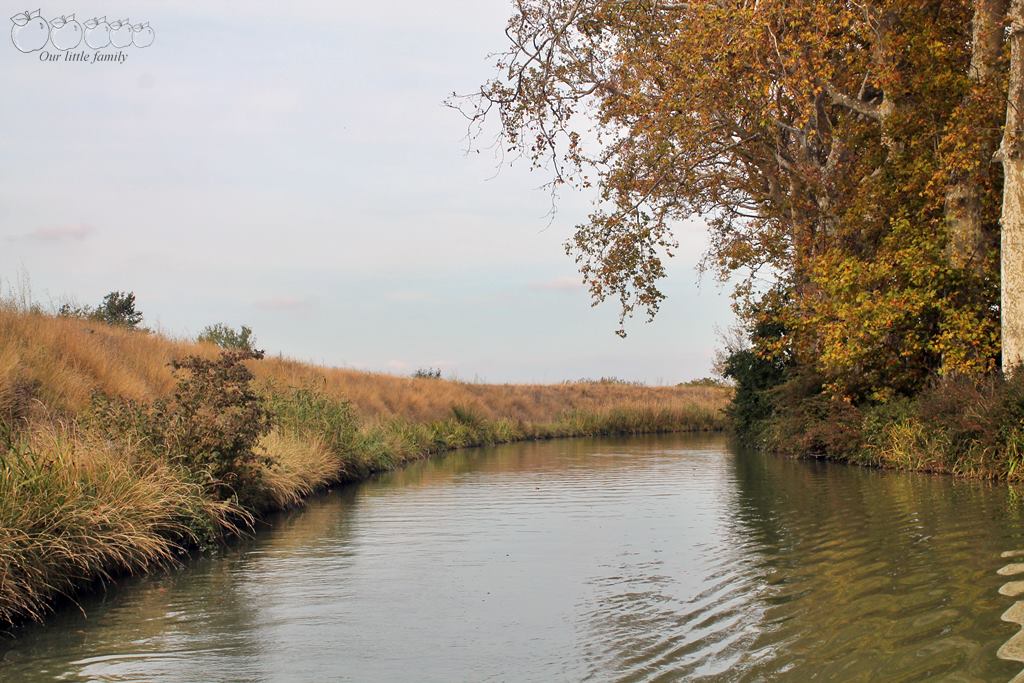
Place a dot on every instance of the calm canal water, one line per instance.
(670, 558)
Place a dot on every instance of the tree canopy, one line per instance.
(840, 153)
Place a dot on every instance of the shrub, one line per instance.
(754, 377)
(468, 416)
(228, 338)
(215, 420)
(210, 426)
(427, 373)
(806, 421)
(609, 380)
(756, 373)
(117, 308)
(705, 382)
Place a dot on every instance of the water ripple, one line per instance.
(635, 560)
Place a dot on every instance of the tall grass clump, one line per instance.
(305, 410)
(295, 465)
(76, 508)
(313, 443)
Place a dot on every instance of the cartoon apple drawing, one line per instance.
(30, 31)
(120, 33)
(142, 35)
(65, 33)
(97, 33)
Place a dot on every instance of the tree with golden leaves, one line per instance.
(840, 150)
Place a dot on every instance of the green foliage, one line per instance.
(755, 372)
(306, 411)
(68, 310)
(468, 416)
(228, 338)
(705, 382)
(610, 380)
(117, 308)
(215, 420)
(210, 427)
(884, 324)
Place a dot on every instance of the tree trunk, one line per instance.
(967, 239)
(1011, 152)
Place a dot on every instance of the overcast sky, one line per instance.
(292, 167)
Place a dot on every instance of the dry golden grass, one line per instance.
(74, 508)
(302, 464)
(67, 359)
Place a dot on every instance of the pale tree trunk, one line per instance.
(1011, 152)
(967, 239)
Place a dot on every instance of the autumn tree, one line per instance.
(831, 147)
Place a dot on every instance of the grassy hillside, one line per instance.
(67, 359)
(112, 461)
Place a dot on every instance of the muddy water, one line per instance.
(670, 558)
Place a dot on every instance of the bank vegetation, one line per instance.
(123, 450)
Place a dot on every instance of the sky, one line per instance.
(292, 167)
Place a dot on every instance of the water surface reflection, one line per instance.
(670, 558)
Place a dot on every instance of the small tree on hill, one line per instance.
(117, 308)
(227, 337)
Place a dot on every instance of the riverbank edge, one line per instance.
(970, 428)
(303, 466)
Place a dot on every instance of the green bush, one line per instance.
(210, 426)
(215, 420)
(705, 382)
(755, 375)
(468, 416)
(117, 308)
(228, 338)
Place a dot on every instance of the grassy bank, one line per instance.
(959, 426)
(121, 450)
